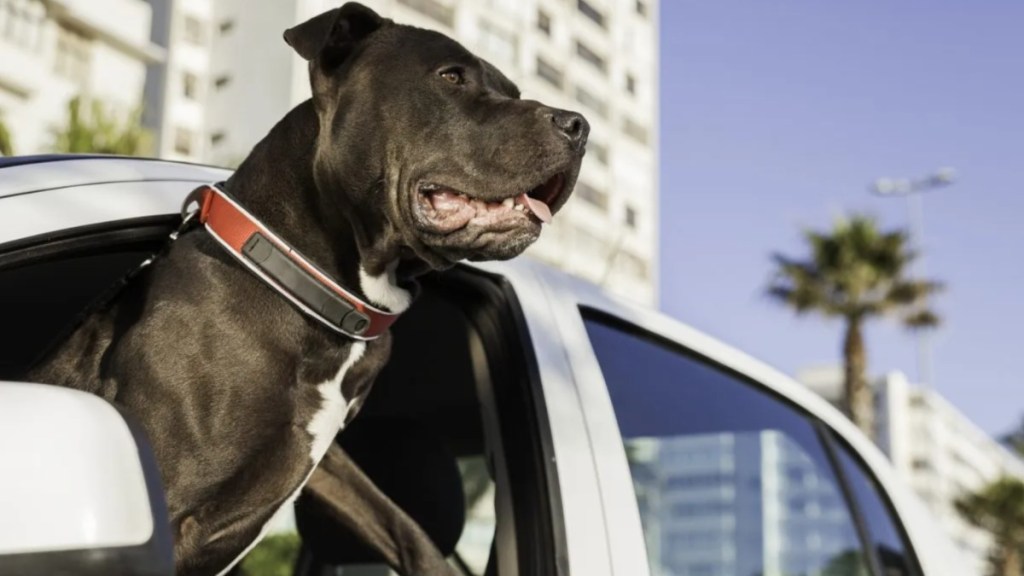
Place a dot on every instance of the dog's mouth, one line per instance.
(448, 210)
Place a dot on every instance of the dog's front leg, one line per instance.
(349, 496)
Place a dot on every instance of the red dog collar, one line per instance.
(284, 268)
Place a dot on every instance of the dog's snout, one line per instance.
(574, 126)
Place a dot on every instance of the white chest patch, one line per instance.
(327, 421)
(384, 291)
(323, 427)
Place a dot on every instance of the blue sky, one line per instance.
(777, 115)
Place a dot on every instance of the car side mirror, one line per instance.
(80, 490)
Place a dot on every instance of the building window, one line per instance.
(630, 84)
(641, 8)
(21, 23)
(634, 130)
(193, 31)
(598, 151)
(585, 97)
(226, 26)
(183, 141)
(221, 81)
(498, 42)
(591, 195)
(631, 217)
(590, 56)
(433, 9)
(544, 22)
(73, 49)
(190, 86)
(590, 12)
(549, 72)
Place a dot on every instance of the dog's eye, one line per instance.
(453, 75)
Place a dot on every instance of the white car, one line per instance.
(537, 425)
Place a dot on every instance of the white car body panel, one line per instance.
(70, 473)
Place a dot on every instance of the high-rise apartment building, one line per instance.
(54, 50)
(598, 57)
(177, 89)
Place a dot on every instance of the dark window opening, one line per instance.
(590, 56)
(549, 73)
(592, 13)
(544, 22)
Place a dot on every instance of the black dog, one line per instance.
(413, 154)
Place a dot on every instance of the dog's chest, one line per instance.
(327, 420)
(323, 428)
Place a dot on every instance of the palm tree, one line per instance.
(857, 273)
(999, 509)
(1014, 440)
(6, 140)
(92, 128)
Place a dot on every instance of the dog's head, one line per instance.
(431, 144)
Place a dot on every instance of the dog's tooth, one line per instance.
(519, 207)
(508, 202)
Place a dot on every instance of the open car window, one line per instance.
(46, 282)
(459, 372)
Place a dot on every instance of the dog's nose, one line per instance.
(574, 126)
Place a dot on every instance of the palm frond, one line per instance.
(920, 319)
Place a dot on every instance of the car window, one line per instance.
(45, 283)
(886, 537)
(729, 480)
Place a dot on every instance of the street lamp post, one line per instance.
(913, 191)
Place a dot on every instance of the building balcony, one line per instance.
(127, 32)
(22, 72)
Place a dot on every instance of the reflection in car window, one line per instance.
(885, 536)
(729, 481)
(474, 547)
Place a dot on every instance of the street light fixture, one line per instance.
(913, 190)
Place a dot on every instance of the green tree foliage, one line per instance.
(1014, 440)
(6, 140)
(275, 555)
(999, 509)
(93, 128)
(855, 272)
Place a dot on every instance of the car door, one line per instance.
(711, 463)
(462, 373)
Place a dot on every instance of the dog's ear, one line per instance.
(332, 34)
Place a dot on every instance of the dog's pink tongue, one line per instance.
(540, 209)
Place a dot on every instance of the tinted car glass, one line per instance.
(37, 301)
(886, 537)
(729, 480)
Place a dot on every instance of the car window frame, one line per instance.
(528, 498)
(836, 444)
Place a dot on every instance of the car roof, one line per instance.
(27, 174)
